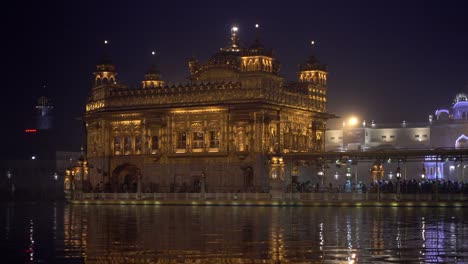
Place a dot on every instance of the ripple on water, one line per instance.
(185, 234)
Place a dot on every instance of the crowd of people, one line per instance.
(412, 186)
(421, 186)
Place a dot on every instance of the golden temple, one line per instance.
(226, 130)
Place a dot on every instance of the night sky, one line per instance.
(388, 60)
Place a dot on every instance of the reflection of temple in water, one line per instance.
(221, 128)
(164, 234)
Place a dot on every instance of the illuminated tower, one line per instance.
(153, 76)
(104, 81)
(313, 75)
(44, 113)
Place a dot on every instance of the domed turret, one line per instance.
(460, 97)
(257, 58)
(313, 71)
(460, 106)
(153, 76)
(105, 70)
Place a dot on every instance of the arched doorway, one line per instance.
(125, 178)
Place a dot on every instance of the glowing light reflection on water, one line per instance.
(44, 233)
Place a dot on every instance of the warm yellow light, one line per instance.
(194, 111)
(126, 122)
(234, 29)
(353, 121)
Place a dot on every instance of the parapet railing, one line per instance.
(306, 197)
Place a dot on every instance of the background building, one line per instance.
(35, 169)
(447, 128)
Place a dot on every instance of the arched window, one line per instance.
(198, 137)
(214, 135)
(197, 140)
(214, 139)
(154, 144)
(138, 144)
(181, 140)
(127, 145)
(117, 146)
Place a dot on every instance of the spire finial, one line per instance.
(257, 31)
(234, 38)
(105, 54)
(153, 67)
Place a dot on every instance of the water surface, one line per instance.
(57, 233)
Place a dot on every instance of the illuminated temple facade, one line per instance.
(226, 130)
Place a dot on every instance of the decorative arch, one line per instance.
(125, 178)
(461, 142)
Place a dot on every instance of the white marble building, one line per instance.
(446, 128)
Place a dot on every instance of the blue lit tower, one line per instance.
(44, 113)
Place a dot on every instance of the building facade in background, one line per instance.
(447, 128)
(36, 170)
(227, 129)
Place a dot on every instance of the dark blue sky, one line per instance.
(388, 60)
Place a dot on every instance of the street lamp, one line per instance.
(398, 176)
(11, 186)
(81, 163)
(320, 173)
(336, 179)
(349, 174)
(423, 173)
(55, 184)
(203, 176)
(68, 183)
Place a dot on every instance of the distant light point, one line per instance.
(353, 121)
(256, 25)
(312, 42)
(234, 29)
(153, 53)
(105, 41)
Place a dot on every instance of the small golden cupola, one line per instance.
(257, 59)
(153, 76)
(105, 70)
(312, 71)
